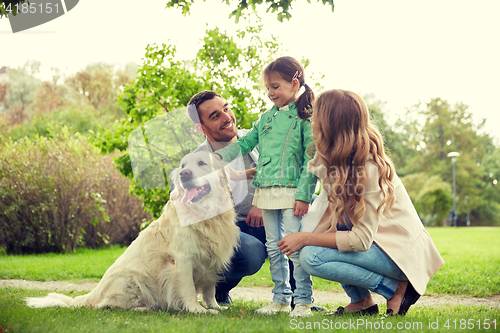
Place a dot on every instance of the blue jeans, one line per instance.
(247, 259)
(278, 223)
(358, 272)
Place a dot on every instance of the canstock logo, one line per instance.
(28, 14)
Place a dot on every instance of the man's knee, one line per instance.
(252, 253)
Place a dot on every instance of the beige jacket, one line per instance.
(399, 233)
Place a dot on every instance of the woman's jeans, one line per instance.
(358, 272)
(278, 223)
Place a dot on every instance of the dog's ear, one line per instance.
(174, 176)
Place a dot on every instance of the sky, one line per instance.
(403, 52)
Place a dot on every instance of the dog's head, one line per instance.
(200, 184)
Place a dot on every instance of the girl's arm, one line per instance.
(296, 241)
(241, 175)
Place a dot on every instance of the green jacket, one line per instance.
(283, 139)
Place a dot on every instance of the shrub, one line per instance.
(58, 193)
(431, 196)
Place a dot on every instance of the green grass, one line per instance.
(472, 261)
(84, 265)
(472, 267)
(15, 316)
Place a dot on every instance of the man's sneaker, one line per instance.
(273, 308)
(223, 299)
(301, 310)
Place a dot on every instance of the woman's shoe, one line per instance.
(372, 310)
(410, 297)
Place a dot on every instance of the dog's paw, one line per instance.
(141, 308)
(212, 311)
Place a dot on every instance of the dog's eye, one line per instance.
(201, 163)
(182, 166)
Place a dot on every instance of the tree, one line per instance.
(393, 141)
(431, 197)
(164, 85)
(282, 8)
(99, 83)
(445, 129)
(20, 91)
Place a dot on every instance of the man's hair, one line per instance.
(196, 100)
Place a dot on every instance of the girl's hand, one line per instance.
(292, 242)
(241, 175)
(300, 208)
(235, 175)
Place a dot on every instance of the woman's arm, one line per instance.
(296, 241)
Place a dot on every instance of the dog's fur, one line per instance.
(168, 264)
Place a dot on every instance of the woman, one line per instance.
(379, 243)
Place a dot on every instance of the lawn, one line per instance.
(472, 268)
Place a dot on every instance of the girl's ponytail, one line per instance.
(304, 102)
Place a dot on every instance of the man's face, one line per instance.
(217, 120)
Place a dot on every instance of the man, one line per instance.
(213, 117)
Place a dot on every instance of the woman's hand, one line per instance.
(293, 242)
(300, 208)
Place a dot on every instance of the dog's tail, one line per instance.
(50, 300)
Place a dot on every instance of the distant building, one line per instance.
(3, 75)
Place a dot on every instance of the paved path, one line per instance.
(327, 298)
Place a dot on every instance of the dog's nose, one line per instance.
(186, 175)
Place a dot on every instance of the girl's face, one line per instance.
(280, 91)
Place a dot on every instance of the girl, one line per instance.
(283, 186)
(381, 246)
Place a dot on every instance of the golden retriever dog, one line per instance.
(177, 256)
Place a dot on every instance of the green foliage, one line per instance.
(393, 141)
(281, 8)
(427, 134)
(431, 196)
(81, 119)
(7, 7)
(154, 103)
(58, 193)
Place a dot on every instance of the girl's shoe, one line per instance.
(301, 310)
(273, 308)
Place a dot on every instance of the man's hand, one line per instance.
(300, 208)
(254, 217)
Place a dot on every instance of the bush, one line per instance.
(431, 196)
(58, 193)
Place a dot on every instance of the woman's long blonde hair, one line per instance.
(345, 139)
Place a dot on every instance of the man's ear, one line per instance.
(199, 128)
